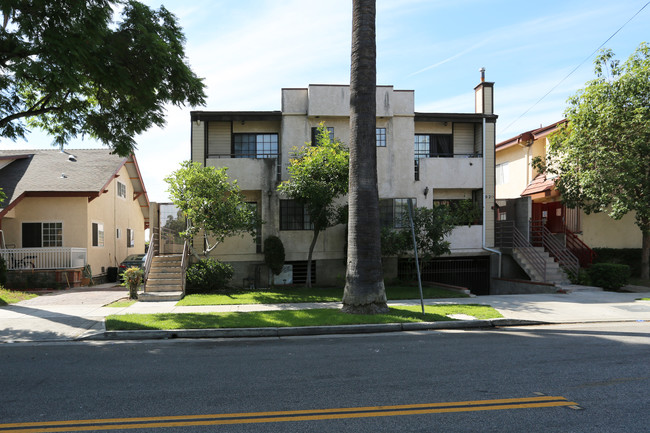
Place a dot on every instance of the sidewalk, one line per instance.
(78, 314)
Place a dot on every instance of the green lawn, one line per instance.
(122, 303)
(303, 294)
(12, 296)
(283, 318)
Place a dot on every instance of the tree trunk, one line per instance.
(364, 291)
(645, 256)
(311, 251)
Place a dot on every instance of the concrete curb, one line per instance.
(303, 330)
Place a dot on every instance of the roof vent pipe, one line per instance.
(482, 70)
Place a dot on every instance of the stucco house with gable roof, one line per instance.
(67, 209)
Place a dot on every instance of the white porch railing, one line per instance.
(44, 258)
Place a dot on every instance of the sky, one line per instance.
(538, 54)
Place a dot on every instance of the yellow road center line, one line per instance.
(284, 416)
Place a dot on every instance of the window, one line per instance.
(464, 211)
(118, 234)
(381, 137)
(130, 238)
(98, 234)
(314, 136)
(255, 145)
(294, 216)
(434, 145)
(393, 212)
(121, 189)
(502, 173)
(42, 235)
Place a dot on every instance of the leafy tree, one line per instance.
(72, 68)
(364, 291)
(431, 226)
(214, 207)
(319, 175)
(602, 154)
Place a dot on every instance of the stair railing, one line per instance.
(508, 236)
(151, 252)
(184, 263)
(585, 255)
(567, 260)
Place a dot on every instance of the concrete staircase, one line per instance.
(164, 282)
(554, 273)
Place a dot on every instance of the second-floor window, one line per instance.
(255, 145)
(314, 135)
(381, 137)
(121, 189)
(502, 173)
(434, 145)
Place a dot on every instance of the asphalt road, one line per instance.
(569, 378)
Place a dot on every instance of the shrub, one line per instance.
(609, 276)
(208, 275)
(274, 254)
(624, 256)
(132, 278)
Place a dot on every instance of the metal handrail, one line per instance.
(184, 263)
(508, 236)
(153, 250)
(585, 255)
(564, 257)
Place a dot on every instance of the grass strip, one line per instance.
(12, 296)
(122, 303)
(304, 294)
(290, 318)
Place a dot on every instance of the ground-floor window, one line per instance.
(42, 234)
(98, 234)
(294, 216)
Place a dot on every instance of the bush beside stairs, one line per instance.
(164, 282)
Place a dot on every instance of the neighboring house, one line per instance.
(432, 158)
(516, 178)
(67, 209)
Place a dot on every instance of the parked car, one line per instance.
(132, 260)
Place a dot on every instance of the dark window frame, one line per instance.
(380, 137)
(314, 132)
(393, 212)
(256, 145)
(42, 234)
(294, 216)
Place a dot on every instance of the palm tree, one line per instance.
(364, 288)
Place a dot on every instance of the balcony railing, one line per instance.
(44, 258)
(258, 155)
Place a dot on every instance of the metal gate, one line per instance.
(172, 222)
(470, 272)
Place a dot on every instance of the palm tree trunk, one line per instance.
(364, 291)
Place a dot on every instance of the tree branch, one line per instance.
(28, 113)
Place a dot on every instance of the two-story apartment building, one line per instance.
(516, 178)
(432, 158)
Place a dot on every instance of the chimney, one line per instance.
(484, 95)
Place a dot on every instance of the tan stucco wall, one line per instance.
(71, 211)
(601, 231)
(115, 212)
